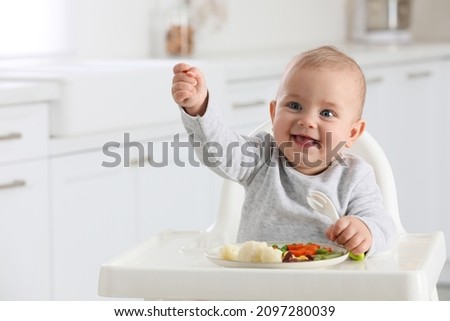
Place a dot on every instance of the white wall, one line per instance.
(132, 28)
(33, 28)
(262, 24)
(110, 28)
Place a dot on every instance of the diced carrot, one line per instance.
(300, 249)
(312, 247)
(295, 246)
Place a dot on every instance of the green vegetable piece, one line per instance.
(334, 255)
(327, 256)
(355, 257)
(322, 251)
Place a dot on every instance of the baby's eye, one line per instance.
(294, 105)
(327, 113)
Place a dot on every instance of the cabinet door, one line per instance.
(379, 103)
(445, 177)
(404, 112)
(23, 132)
(177, 192)
(423, 141)
(94, 219)
(249, 101)
(24, 232)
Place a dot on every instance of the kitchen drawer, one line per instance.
(25, 271)
(23, 131)
(249, 100)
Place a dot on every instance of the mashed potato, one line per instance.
(271, 255)
(251, 251)
(229, 252)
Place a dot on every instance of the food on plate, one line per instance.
(355, 257)
(251, 251)
(271, 255)
(260, 252)
(229, 252)
(298, 252)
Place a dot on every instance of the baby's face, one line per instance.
(315, 115)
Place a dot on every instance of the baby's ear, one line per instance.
(272, 109)
(356, 131)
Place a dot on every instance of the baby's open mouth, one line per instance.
(306, 141)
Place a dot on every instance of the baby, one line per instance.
(317, 112)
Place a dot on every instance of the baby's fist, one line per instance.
(189, 89)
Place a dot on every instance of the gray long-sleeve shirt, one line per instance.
(275, 206)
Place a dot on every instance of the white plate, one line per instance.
(213, 255)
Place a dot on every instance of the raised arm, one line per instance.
(217, 146)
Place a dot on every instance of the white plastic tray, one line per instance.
(172, 266)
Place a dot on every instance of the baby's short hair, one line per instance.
(331, 57)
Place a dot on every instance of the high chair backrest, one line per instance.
(225, 228)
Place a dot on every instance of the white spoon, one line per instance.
(320, 203)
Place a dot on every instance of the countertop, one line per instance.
(20, 92)
(265, 63)
(240, 65)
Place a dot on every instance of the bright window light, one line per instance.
(33, 27)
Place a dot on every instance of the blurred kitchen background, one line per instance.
(77, 74)
(123, 29)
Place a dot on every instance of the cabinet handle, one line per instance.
(14, 184)
(135, 162)
(247, 104)
(374, 80)
(419, 74)
(11, 136)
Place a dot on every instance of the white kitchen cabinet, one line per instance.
(446, 145)
(93, 219)
(174, 191)
(404, 109)
(24, 206)
(248, 101)
(24, 232)
(23, 132)
(445, 177)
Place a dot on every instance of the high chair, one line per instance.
(172, 265)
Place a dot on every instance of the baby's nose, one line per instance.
(307, 121)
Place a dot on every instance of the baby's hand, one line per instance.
(351, 233)
(189, 89)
